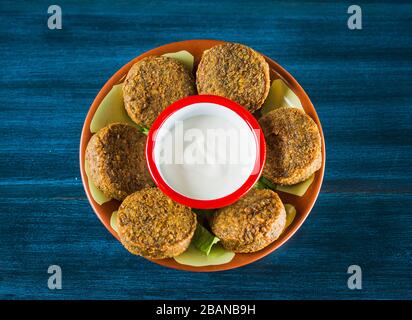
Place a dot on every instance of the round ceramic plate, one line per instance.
(302, 204)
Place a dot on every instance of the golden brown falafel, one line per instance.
(251, 223)
(152, 84)
(152, 225)
(293, 146)
(236, 72)
(116, 158)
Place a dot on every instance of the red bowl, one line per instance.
(245, 115)
(302, 204)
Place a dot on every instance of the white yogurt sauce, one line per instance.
(205, 156)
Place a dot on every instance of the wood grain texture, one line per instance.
(359, 81)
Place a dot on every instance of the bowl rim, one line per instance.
(226, 200)
(244, 259)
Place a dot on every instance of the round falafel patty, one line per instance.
(153, 226)
(152, 84)
(293, 146)
(251, 223)
(116, 158)
(236, 72)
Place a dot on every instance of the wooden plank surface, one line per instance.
(359, 81)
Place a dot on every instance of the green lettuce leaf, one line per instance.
(290, 214)
(185, 57)
(260, 185)
(145, 131)
(110, 110)
(96, 194)
(280, 95)
(298, 189)
(267, 183)
(196, 258)
(203, 240)
(113, 221)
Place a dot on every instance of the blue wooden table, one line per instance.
(359, 81)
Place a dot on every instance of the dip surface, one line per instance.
(206, 156)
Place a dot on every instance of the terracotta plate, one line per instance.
(303, 204)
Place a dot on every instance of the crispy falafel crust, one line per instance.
(116, 159)
(293, 145)
(236, 72)
(251, 223)
(154, 226)
(152, 84)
